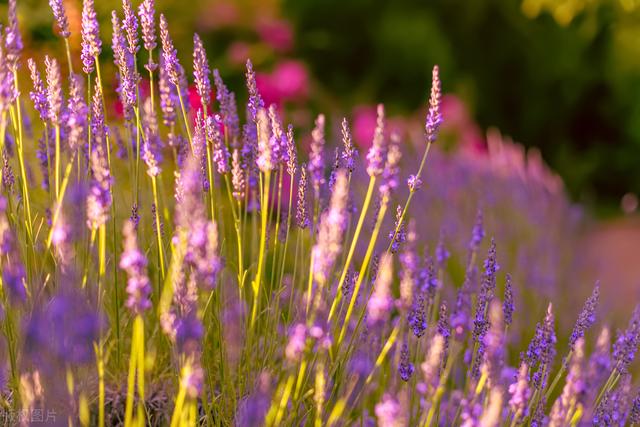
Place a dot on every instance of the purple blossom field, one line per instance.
(213, 265)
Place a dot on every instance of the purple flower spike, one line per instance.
(381, 302)
(228, 110)
(13, 38)
(405, 368)
(91, 43)
(389, 412)
(520, 393)
(201, 71)
(330, 231)
(508, 306)
(134, 263)
(237, 176)
(349, 151)
(316, 156)
(477, 234)
(38, 95)
(391, 169)
(297, 342)
(265, 159)
(76, 113)
(220, 151)
(434, 117)
(130, 24)
(169, 54)
(292, 156)
(54, 89)
(302, 218)
(128, 78)
(255, 100)
(61, 17)
(147, 14)
(587, 316)
(376, 154)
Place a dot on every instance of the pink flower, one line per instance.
(364, 124)
(289, 81)
(276, 33)
(238, 52)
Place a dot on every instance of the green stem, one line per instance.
(264, 211)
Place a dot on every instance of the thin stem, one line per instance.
(158, 232)
(264, 211)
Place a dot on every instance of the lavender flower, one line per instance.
(330, 231)
(265, 159)
(508, 306)
(477, 234)
(76, 113)
(297, 343)
(54, 90)
(573, 388)
(99, 199)
(63, 331)
(228, 110)
(349, 152)
(278, 140)
(135, 264)
(220, 151)
(433, 362)
(376, 154)
(405, 369)
(13, 38)
(381, 302)
(398, 234)
(520, 393)
(414, 183)
(127, 75)
(626, 345)
(130, 24)
(237, 176)
(316, 157)
(61, 18)
(292, 156)
(91, 43)
(434, 117)
(302, 218)
(201, 71)
(255, 102)
(587, 316)
(8, 179)
(481, 323)
(168, 97)
(169, 54)
(390, 173)
(389, 413)
(147, 14)
(202, 234)
(38, 95)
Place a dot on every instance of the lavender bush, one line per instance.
(178, 267)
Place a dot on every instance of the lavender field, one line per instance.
(185, 258)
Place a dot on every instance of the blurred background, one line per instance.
(559, 75)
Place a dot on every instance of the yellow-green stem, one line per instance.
(264, 211)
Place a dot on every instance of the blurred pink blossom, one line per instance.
(458, 120)
(219, 14)
(364, 124)
(238, 52)
(289, 81)
(276, 33)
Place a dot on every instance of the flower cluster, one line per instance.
(276, 287)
